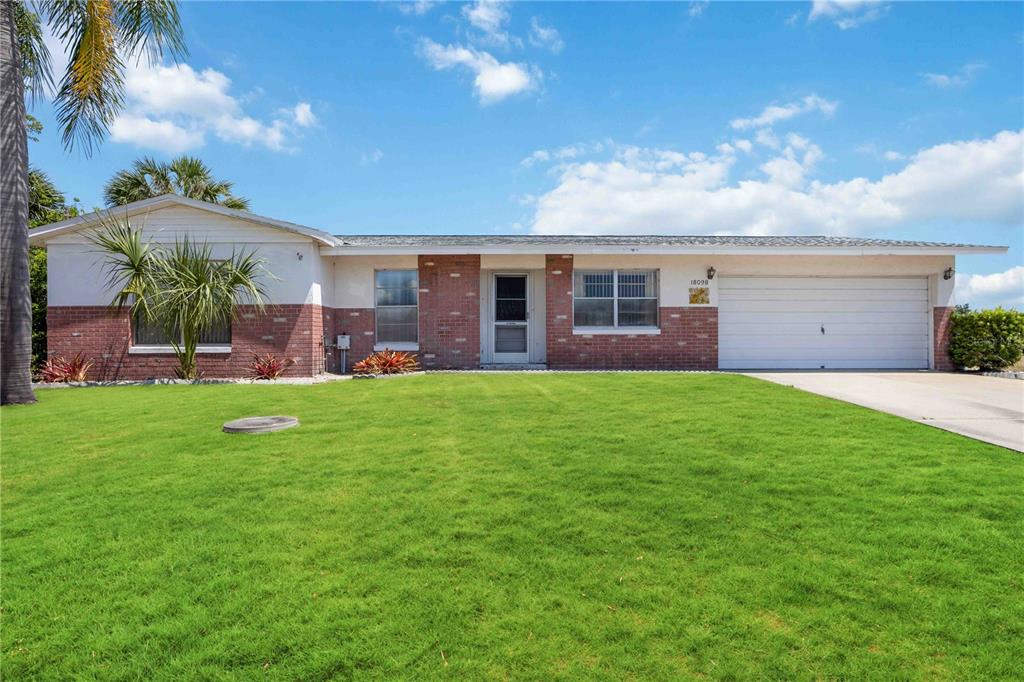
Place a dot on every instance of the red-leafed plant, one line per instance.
(387, 362)
(268, 367)
(61, 370)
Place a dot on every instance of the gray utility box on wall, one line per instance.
(344, 342)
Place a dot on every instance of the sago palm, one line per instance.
(185, 175)
(100, 35)
(183, 288)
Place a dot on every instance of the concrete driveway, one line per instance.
(986, 408)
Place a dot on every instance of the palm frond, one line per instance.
(129, 265)
(238, 203)
(35, 57)
(92, 89)
(151, 27)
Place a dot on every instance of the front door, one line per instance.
(511, 319)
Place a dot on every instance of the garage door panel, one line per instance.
(829, 295)
(771, 322)
(803, 364)
(812, 328)
(818, 306)
(768, 320)
(868, 341)
(826, 354)
(822, 283)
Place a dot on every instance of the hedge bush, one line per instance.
(986, 339)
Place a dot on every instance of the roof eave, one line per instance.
(661, 250)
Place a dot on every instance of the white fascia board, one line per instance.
(659, 250)
(40, 235)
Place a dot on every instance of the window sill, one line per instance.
(396, 346)
(616, 331)
(168, 350)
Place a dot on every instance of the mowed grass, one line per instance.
(518, 526)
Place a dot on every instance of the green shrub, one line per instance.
(987, 339)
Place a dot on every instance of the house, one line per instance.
(654, 302)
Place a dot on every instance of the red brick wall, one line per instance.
(287, 331)
(358, 323)
(688, 338)
(941, 321)
(449, 311)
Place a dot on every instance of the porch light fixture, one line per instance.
(948, 274)
(711, 272)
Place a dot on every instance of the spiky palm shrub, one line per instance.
(182, 288)
(387, 362)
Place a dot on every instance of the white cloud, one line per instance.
(163, 135)
(743, 145)
(303, 115)
(771, 115)
(697, 8)
(545, 36)
(417, 8)
(371, 157)
(493, 80)
(490, 17)
(847, 14)
(561, 154)
(893, 156)
(958, 79)
(652, 190)
(1004, 289)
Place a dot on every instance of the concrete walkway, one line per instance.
(990, 409)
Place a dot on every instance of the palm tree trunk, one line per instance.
(15, 295)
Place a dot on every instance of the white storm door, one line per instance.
(510, 317)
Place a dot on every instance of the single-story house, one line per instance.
(572, 302)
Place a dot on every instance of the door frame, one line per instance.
(536, 306)
(492, 323)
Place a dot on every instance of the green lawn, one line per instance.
(527, 526)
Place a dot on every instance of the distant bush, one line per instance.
(986, 339)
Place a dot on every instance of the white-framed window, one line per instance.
(396, 311)
(615, 298)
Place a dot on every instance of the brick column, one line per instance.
(941, 322)
(449, 310)
(558, 301)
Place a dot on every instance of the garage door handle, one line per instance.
(822, 329)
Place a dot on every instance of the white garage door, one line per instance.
(822, 322)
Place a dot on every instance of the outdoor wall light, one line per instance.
(948, 274)
(711, 272)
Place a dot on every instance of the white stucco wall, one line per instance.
(75, 273)
(677, 273)
(353, 277)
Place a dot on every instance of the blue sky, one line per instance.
(899, 120)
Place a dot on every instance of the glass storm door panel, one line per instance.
(511, 319)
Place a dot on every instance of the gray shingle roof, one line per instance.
(453, 240)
